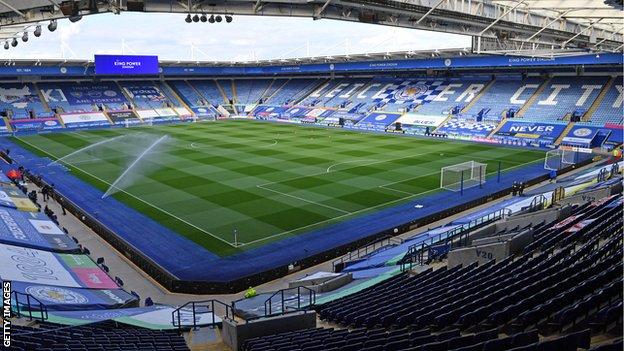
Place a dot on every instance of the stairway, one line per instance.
(268, 98)
(605, 89)
(225, 97)
(533, 98)
(44, 102)
(498, 127)
(564, 133)
(476, 98)
(177, 96)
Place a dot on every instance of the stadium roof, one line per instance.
(522, 27)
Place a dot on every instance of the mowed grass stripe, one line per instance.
(215, 186)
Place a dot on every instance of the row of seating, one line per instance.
(419, 340)
(101, 336)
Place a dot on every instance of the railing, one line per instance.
(338, 264)
(419, 253)
(197, 308)
(43, 309)
(283, 309)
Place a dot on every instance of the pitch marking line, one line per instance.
(134, 196)
(345, 162)
(367, 209)
(302, 199)
(333, 171)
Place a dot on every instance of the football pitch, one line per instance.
(264, 181)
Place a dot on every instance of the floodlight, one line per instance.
(203, 18)
(188, 18)
(14, 42)
(218, 18)
(75, 18)
(211, 19)
(52, 25)
(6, 45)
(37, 31)
(228, 19)
(25, 37)
(196, 18)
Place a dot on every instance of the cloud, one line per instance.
(169, 37)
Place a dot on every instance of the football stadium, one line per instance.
(425, 199)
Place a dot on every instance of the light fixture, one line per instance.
(37, 31)
(211, 19)
(14, 42)
(6, 45)
(218, 18)
(75, 18)
(188, 18)
(203, 18)
(228, 18)
(25, 37)
(196, 18)
(52, 25)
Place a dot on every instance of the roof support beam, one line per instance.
(430, 11)
(579, 33)
(13, 8)
(501, 17)
(322, 9)
(547, 26)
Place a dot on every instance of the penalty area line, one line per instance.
(135, 197)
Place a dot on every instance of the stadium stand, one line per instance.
(610, 108)
(250, 91)
(19, 101)
(84, 96)
(564, 96)
(147, 95)
(499, 99)
(99, 336)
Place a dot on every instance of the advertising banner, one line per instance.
(153, 317)
(183, 112)
(269, 111)
(422, 120)
(581, 135)
(203, 111)
(145, 92)
(83, 93)
(33, 230)
(58, 298)
(84, 119)
(379, 119)
(126, 64)
(531, 130)
(297, 112)
(123, 117)
(467, 128)
(35, 124)
(42, 267)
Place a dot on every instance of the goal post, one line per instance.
(564, 156)
(463, 176)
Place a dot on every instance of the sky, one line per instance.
(247, 38)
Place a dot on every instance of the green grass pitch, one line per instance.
(268, 181)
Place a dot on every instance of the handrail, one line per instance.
(42, 307)
(415, 253)
(268, 304)
(176, 315)
(367, 249)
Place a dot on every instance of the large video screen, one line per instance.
(126, 64)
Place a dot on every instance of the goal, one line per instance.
(462, 176)
(560, 158)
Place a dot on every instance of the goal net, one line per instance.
(563, 157)
(462, 176)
